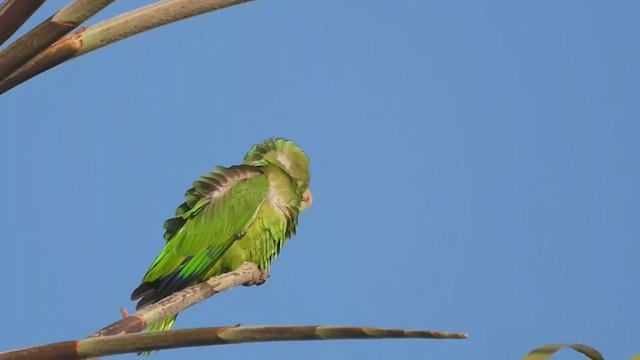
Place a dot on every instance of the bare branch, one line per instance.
(246, 274)
(14, 13)
(48, 32)
(111, 345)
(110, 31)
(117, 338)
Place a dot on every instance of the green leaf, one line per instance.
(545, 352)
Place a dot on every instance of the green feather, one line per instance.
(214, 221)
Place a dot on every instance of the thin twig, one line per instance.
(14, 13)
(246, 274)
(131, 343)
(109, 31)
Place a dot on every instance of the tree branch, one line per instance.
(14, 13)
(117, 338)
(130, 343)
(109, 31)
(247, 274)
(45, 34)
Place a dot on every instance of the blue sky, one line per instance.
(474, 169)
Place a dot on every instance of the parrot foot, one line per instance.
(264, 275)
(124, 313)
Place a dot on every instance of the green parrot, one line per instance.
(231, 215)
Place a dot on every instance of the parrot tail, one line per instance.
(162, 325)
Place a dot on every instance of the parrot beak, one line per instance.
(307, 199)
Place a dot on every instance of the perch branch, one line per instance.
(117, 338)
(48, 32)
(14, 13)
(109, 31)
(131, 343)
(247, 274)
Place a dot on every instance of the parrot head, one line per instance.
(288, 156)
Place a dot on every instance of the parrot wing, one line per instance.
(217, 210)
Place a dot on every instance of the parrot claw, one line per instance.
(124, 313)
(264, 275)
